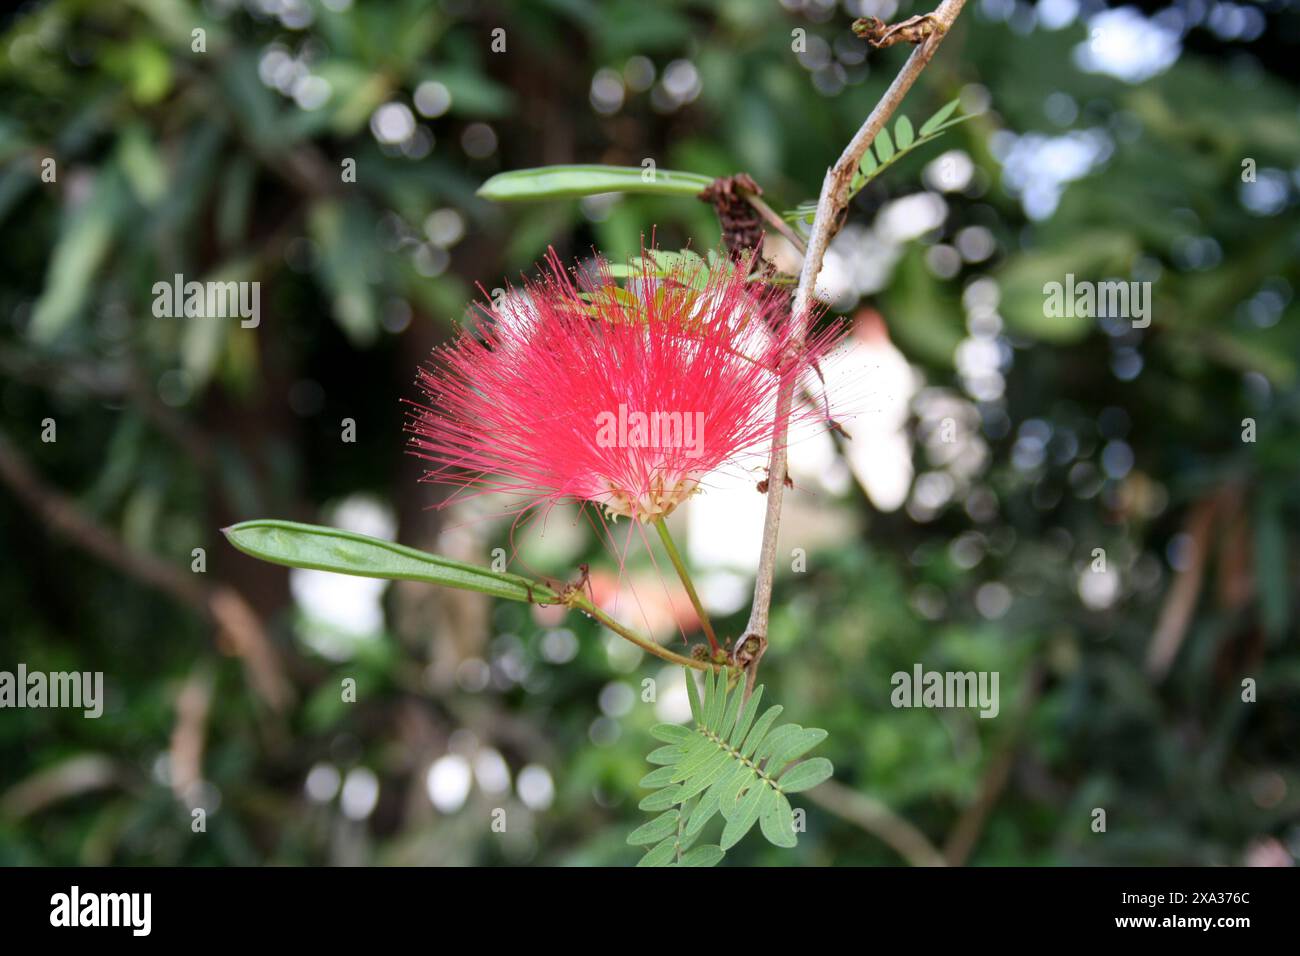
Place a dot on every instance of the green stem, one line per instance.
(662, 527)
(582, 603)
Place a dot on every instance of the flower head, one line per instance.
(623, 396)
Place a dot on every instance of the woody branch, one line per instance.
(831, 205)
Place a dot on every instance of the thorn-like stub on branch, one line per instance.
(762, 485)
(742, 226)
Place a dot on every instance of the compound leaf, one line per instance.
(717, 766)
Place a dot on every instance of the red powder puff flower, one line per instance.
(626, 397)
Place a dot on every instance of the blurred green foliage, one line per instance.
(229, 164)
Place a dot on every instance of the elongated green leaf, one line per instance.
(760, 730)
(806, 775)
(670, 733)
(661, 855)
(746, 815)
(702, 813)
(669, 755)
(344, 552)
(777, 822)
(868, 164)
(737, 735)
(563, 182)
(706, 855)
(693, 695)
(687, 840)
(729, 715)
(715, 698)
(700, 761)
(82, 248)
(708, 775)
(776, 740)
(938, 130)
(884, 146)
(655, 830)
(660, 800)
(935, 121)
(658, 778)
(796, 747)
(903, 134)
(729, 794)
(686, 836)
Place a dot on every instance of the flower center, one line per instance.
(658, 500)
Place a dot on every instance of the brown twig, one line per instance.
(68, 778)
(237, 622)
(189, 733)
(877, 819)
(831, 207)
(1180, 601)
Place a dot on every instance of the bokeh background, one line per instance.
(1108, 142)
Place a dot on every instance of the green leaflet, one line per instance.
(657, 778)
(693, 695)
(707, 855)
(731, 790)
(564, 182)
(746, 815)
(760, 729)
(670, 733)
(935, 121)
(661, 855)
(732, 761)
(776, 740)
(331, 549)
(729, 715)
(903, 132)
(660, 799)
(746, 718)
(709, 776)
(884, 146)
(806, 775)
(655, 830)
(703, 812)
(713, 761)
(715, 691)
(799, 744)
(777, 822)
(687, 836)
(666, 755)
